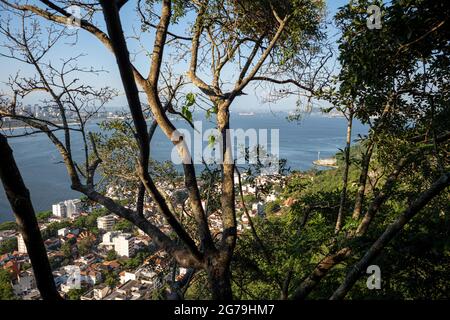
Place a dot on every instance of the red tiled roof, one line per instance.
(4, 256)
(13, 267)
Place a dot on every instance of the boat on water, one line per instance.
(246, 113)
(331, 162)
(328, 162)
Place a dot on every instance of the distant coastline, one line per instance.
(7, 125)
(46, 177)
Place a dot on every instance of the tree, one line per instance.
(84, 246)
(43, 216)
(19, 198)
(111, 255)
(111, 279)
(388, 74)
(8, 245)
(75, 294)
(396, 81)
(6, 290)
(66, 249)
(52, 229)
(390, 232)
(124, 226)
(8, 225)
(270, 35)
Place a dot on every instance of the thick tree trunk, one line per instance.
(228, 199)
(391, 231)
(359, 201)
(219, 279)
(342, 205)
(19, 198)
(218, 265)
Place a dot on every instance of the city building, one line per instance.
(67, 209)
(132, 290)
(73, 207)
(124, 245)
(52, 244)
(21, 247)
(87, 259)
(146, 275)
(106, 222)
(59, 210)
(63, 232)
(73, 278)
(126, 276)
(97, 293)
(91, 277)
(108, 240)
(24, 283)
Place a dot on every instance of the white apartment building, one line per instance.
(127, 276)
(67, 209)
(124, 245)
(21, 247)
(73, 207)
(72, 278)
(97, 293)
(106, 222)
(63, 232)
(108, 240)
(59, 210)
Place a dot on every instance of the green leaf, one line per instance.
(190, 99)
(186, 113)
(211, 141)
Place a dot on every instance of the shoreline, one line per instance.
(26, 127)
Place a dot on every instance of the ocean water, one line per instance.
(299, 143)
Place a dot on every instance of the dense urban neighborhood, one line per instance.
(97, 256)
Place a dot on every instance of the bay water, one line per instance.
(299, 142)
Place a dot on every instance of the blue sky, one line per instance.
(97, 56)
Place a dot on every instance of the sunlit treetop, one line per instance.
(256, 20)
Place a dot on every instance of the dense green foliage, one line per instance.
(124, 226)
(8, 245)
(89, 222)
(111, 255)
(136, 261)
(6, 290)
(85, 246)
(301, 235)
(8, 225)
(111, 279)
(75, 294)
(53, 227)
(44, 215)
